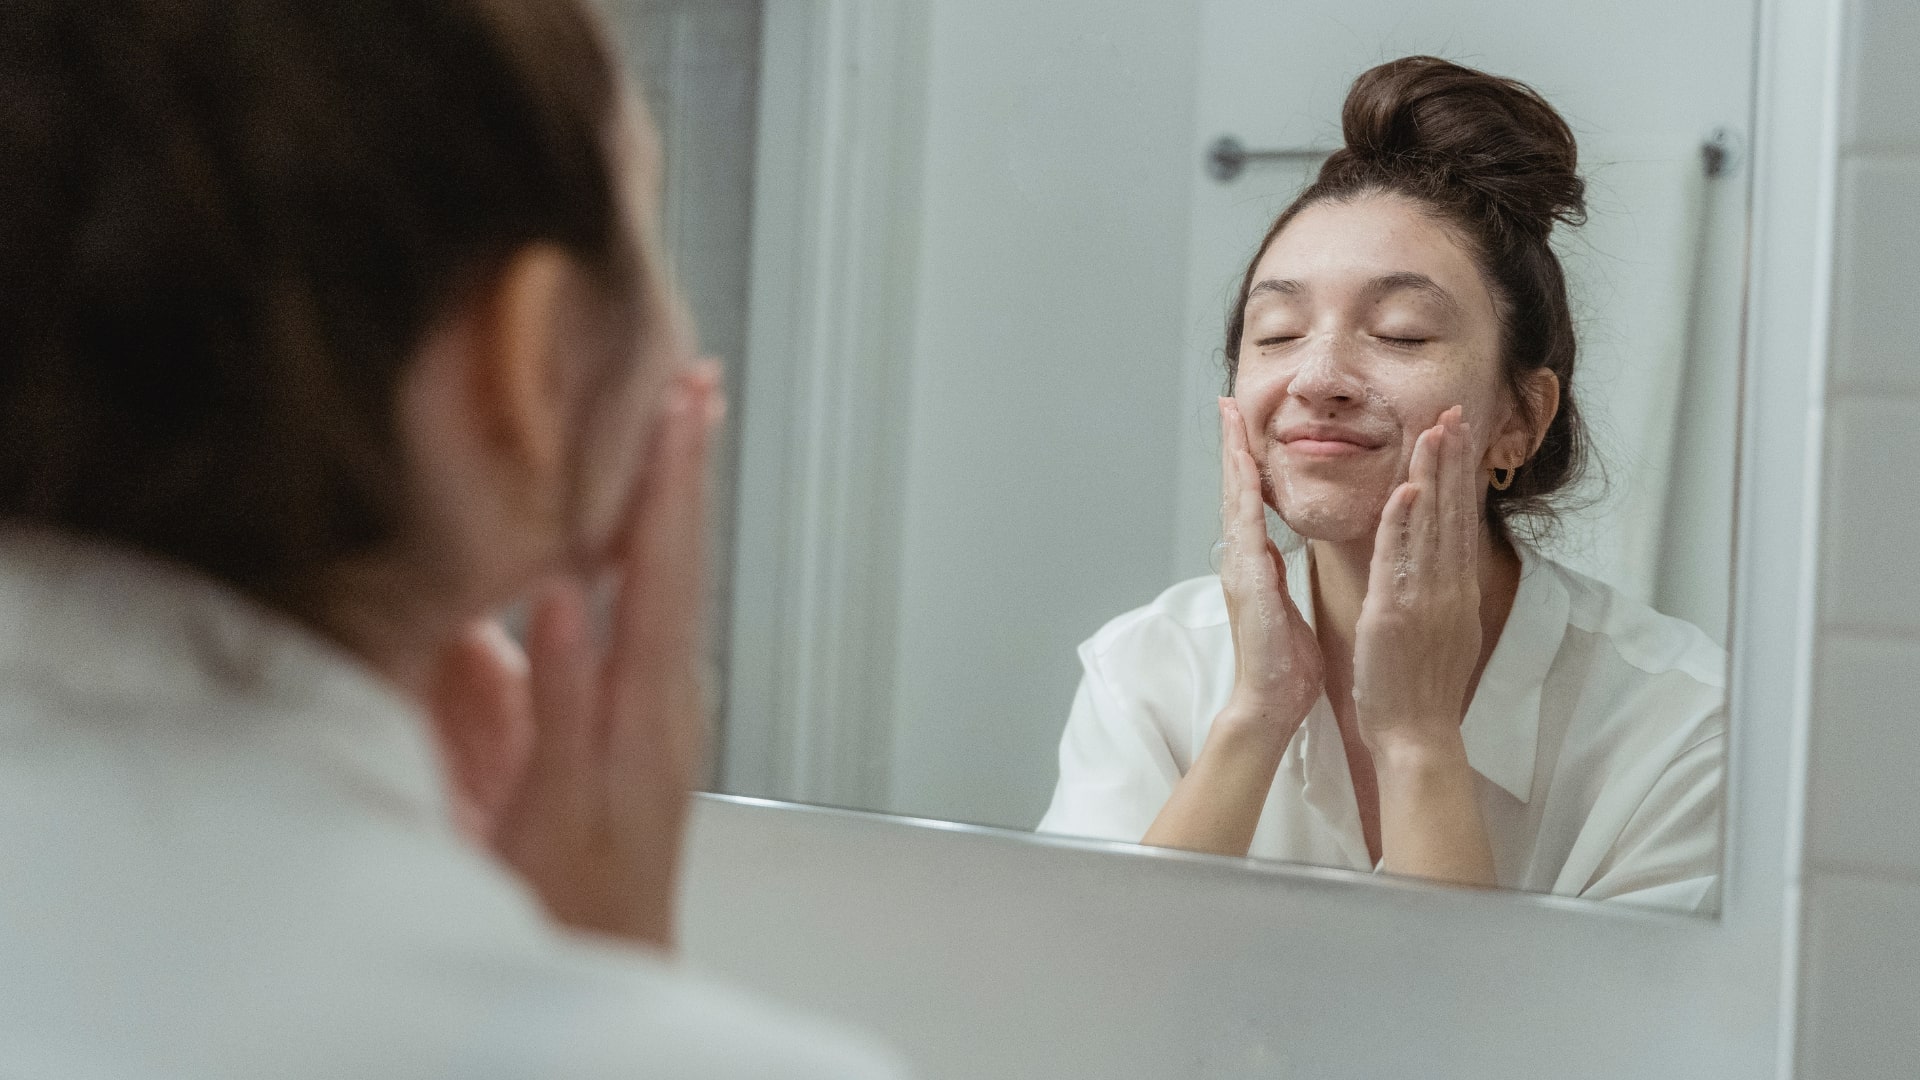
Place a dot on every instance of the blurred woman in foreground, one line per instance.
(326, 331)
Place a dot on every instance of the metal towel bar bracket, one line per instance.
(1227, 157)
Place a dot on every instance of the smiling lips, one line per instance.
(1323, 440)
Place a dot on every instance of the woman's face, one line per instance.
(1365, 321)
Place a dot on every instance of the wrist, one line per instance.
(1418, 753)
(1243, 728)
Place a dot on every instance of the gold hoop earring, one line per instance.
(1500, 483)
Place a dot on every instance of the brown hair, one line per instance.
(1491, 159)
(227, 225)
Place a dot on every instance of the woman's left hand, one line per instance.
(1418, 640)
(1414, 654)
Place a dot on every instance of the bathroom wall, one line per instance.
(1038, 476)
(1860, 950)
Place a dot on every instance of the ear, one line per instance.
(519, 378)
(1526, 427)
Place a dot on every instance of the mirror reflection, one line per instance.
(1298, 434)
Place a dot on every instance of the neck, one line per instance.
(1341, 570)
(396, 622)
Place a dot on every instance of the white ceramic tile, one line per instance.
(1884, 82)
(1863, 806)
(1860, 989)
(1870, 553)
(1876, 344)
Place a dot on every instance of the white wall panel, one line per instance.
(1859, 990)
(1884, 80)
(1039, 465)
(1862, 982)
(1869, 577)
(1876, 349)
(1863, 804)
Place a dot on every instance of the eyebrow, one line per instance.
(1283, 286)
(1420, 283)
(1402, 280)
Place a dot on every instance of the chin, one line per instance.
(1335, 516)
(1332, 529)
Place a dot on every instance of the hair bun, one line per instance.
(1443, 127)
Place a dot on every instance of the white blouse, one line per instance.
(227, 854)
(1598, 731)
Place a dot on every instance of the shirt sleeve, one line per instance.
(1116, 769)
(1668, 854)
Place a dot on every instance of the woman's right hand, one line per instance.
(1216, 806)
(1276, 657)
(574, 761)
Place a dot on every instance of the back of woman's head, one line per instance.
(1490, 159)
(227, 225)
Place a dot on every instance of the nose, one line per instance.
(1325, 378)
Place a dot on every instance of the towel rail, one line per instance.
(1228, 157)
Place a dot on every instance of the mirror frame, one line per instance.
(850, 911)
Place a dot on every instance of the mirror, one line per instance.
(973, 289)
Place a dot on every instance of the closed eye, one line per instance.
(1401, 342)
(1278, 340)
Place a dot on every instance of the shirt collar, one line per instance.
(111, 624)
(1502, 726)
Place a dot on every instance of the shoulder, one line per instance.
(1184, 626)
(1649, 642)
(1192, 607)
(512, 988)
(606, 1012)
(1634, 683)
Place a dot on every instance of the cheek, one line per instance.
(1259, 390)
(1464, 381)
(1257, 378)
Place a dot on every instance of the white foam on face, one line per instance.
(1303, 507)
(1318, 368)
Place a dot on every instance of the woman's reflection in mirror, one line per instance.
(1415, 689)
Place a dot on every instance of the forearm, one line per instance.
(1217, 805)
(1430, 823)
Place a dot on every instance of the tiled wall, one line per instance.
(1860, 984)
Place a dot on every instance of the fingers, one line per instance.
(483, 719)
(567, 733)
(1244, 514)
(1229, 468)
(658, 612)
(1467, 468)
(1390, 573)
(1455, 503)
(653, 693)
(1430, 525)
(1423, 474)
(1280, 574)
